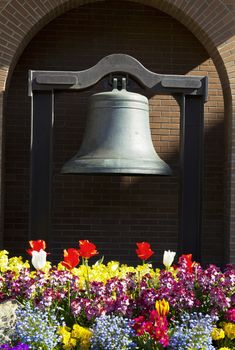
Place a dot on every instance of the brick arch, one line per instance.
(212, 24)
(19, 23)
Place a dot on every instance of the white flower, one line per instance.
(39, 259)
(168, 258)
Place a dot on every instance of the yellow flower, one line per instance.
(101, 273)
(113, 266)
(68, 341)
(72, 343)
(229, 330)
(16, 264)
(83, 335)
(217, 333)
(47, 267)
(145, 269)
(162, 307)
(65, 332)
(225, 348)
(78, 335)
(3, 260)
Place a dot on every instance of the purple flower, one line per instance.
(147, 299)
(17, 347)
(123, 306)
(179, 292)
(78, 305)
(219, 299)
(97, 288)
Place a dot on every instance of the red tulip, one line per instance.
(189, 262)
(71, 258)
(144, 251)
(36, 246)
(87, 249)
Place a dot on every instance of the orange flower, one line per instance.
(36, 246)
(87, 249)
(71, 258)
(144, 251)
(162, 307)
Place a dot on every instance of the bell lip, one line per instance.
(122, 172)
(165, 170)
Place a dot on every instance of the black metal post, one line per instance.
(191, 153)
(41, 163)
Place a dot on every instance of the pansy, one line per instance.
(229, 330)
(217, 333)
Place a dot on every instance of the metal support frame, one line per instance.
(189, 91)
(41, 162)
(191, 166)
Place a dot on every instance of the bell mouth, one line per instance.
(116, 166)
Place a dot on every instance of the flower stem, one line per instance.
(87, 279)
(69, 301)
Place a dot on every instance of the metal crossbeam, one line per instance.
(117, 63)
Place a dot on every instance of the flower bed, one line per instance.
(116, 307)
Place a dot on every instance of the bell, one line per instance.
(117, 139)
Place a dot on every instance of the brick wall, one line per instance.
(114, 212)
(231, 5)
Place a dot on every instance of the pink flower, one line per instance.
(230, 315)
(156, 326)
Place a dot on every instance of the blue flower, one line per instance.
(112, 333)
(193, 331)
(36, 327)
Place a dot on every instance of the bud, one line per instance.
(162, 307)
(39, 259)
(168, 258)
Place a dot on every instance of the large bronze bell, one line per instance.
(117, 139)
